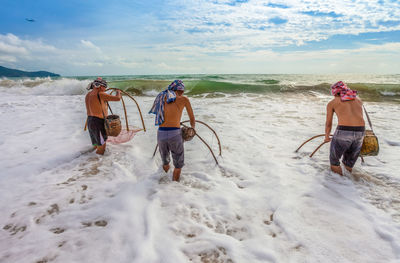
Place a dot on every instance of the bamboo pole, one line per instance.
(155, 150)
(312, 138)
(126, 117)
(127, 94)
(205, 124)
(208, 146)
(311, 155)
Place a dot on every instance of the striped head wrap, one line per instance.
(341, 88)
(168, 96)
(98, 83)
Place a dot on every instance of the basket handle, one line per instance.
(369, 121)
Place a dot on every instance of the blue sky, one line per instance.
(112, 37)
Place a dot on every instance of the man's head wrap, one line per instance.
(176, 85)
(344, 92)
(98, 83)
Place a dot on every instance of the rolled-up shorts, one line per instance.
(347, 142)
(97, 131)
(170, 141)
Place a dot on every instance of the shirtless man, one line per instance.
(96, 108)
(168, 108)
(348, 137)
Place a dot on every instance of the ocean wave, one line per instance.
(208, 84)
(389, 93)
(269, 81)
(368, 91)
(44, 86)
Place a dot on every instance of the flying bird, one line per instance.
(30, 19)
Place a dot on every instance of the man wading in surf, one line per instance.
(348, 137)
(96, 108)
(168, 107)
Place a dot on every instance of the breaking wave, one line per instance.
(201, 84)
(44, 86)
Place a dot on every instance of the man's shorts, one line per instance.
(346, 142)
(97, 131)
(170, 140)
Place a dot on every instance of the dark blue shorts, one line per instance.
(97, 131)
(346, 143)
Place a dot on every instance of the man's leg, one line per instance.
(337, 148)
(177, 150)
(166, 168)
(351, 155)
(176, 174)
(101, 149)
(337, 169)
(164, 153)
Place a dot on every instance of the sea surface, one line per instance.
(370, 87)
(263, 202)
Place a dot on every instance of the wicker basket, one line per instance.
(113, 125)
(188, 133)
(370, 146)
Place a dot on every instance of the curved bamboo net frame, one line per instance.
(316, 149)
(312, 138)
(201, 139)
(205, 124)
(123, 105)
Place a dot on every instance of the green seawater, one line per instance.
(369, 87)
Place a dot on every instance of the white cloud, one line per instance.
(10, 39)
(249, 24)
(7, 59)
(13, 45)
(10, 49)
(90, 45)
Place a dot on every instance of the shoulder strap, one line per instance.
(369, 121)
(98, 96)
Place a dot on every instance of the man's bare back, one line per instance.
(173, 112)
(349, 113)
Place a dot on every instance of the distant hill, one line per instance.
(8, 72)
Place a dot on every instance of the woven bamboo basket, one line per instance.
(188, 133)
(370, 146)
(113, 125)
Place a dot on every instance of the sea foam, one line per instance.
(262, 203)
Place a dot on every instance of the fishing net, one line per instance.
(124, 135)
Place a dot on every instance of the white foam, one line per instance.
(264, 203)
(44, 86)
(389, 93)
(151, 92)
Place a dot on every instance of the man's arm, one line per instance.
(328, 123)
(107, 97)
(189, 110)
(88, 109)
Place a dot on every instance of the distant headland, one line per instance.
(8, 72)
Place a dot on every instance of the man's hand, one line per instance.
(119, 94)
(327, 139)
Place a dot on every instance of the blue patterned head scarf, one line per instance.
(176, 85)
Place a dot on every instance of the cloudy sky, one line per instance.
(109, 37)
